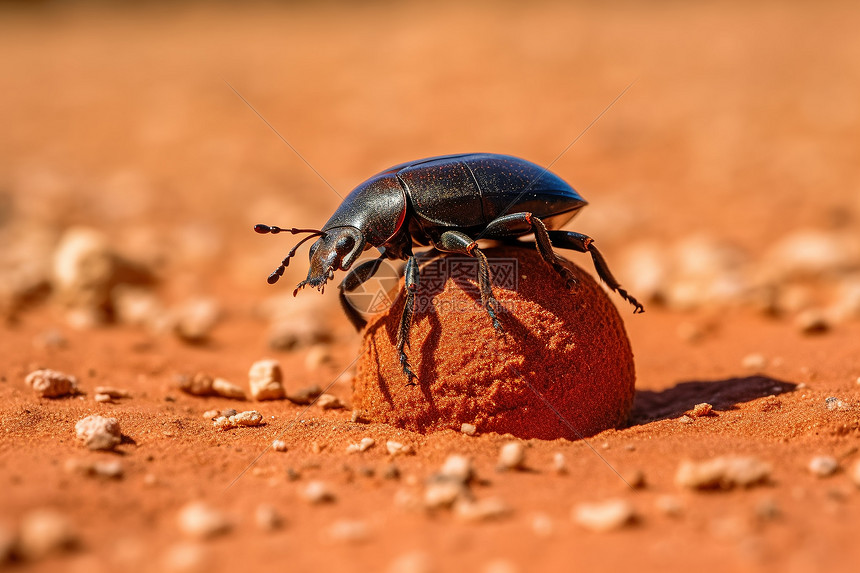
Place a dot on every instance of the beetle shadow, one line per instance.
(655, 405)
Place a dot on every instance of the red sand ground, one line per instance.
(743, 125)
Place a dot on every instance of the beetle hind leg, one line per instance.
(410, 286)
(457, 242)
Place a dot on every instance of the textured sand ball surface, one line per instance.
(564, 368)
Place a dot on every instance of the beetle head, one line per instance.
(337, 249)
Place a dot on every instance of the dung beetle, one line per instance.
(447, 202)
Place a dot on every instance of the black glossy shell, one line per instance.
(471, 190)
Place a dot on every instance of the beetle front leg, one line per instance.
(410, 286)
(585, 244)
(457, 242)
(357, 277)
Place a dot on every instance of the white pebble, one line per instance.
(268, 518)
(317, 492)
(823, 466)
(279, 446)
(44, 531)
(604, 516)
(249, 418)
(330, 402)
(227, 389)
(487, 509)
(398, 449)
(113, 393)
(265, 380)
(754, 362)
(559, 463)
(468, 429)
(722, 472)
(542, 525)
(458, 468)
(102, 398)
(512, 456)
(441, 493)
(198, 520)
(99, 433)
(349, 531)
(51, 384)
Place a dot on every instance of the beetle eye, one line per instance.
(345, 244)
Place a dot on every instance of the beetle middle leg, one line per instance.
(457, 242)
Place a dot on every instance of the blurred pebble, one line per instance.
(317, 492)
(227, 389)
(265, 380)
(295, 334)
(767, 509)
(542, 525)
(645, 266)
(669, 505)
(109, 469)
(51, 383)
(198, 385)
(443, 492)
(604, 516)
(722, 472)
(634, 478)
(138, 306)
(855, 473)
(268, 518)
(111, 392)
(185, 556)
(84, 271)
(330, 402)
(279, 446)
(305, 396)
(44, 531)
(242, 419)
(98, 433)
(349, 531)
(754, 362)
(486, 509)
(416, 562)
(512, 456)
(318, 355)
(812, 321)
(812, 253)
(364, 445)
(823, 466)
(559, 463)
(457, 468)
(195, 319)
(833, 404)
(199, 520)
(468, 429)
(398, 449)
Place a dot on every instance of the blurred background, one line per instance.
(740, 127)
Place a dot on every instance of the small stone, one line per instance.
(349, 531)
(195, 319)
(111, 392)
(108, 469)
(268, 518)
(634, 478)
(512, 456)
(669, 505)
(468, 429)
(835, 404)
(722, 472)
(227, 389)
(855, 473)
(359, 417)
(198, 520)
(279, 446)
(701, 410)
(604, 516)
(52, 384)
(305, 396)
(398, 449)
(43, 532)
(330, 402)
(102, 398)
(211, 414)
(457, 468)
(487, 509)
(198, 385)
(542, 525)
(265, 380)
(99, 433)
(685, 419)
(249, 418)
(559, 463)
(754, 362)
(823, 466)
(317, 356)
(317, 492)
(364, 445)
(441, 493)
(812, 321)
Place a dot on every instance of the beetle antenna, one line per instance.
(279, 272)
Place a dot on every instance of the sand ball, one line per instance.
(563, 369)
